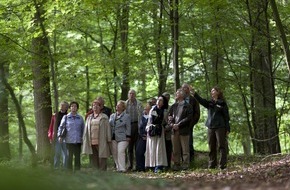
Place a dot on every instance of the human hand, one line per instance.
(175, 126)
(191, 89)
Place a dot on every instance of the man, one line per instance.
(60, 147)
(195, 116)
(168, 143)
(179, 118)
(134, 109)
(106, 110)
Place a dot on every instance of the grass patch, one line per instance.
(48, 179)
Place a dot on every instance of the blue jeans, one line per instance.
(60, 151)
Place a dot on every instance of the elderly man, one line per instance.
(134, 109)
(195, 116)
(179, 118)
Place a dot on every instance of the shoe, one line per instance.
(184, 168)
(175, 167)
(223, 167)
(211, 167)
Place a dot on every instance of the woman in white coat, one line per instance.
(155, 155)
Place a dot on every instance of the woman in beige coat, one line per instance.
(97, 137)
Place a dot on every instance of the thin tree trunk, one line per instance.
(161, 68)
(280, 28)
(124, 27)
(5, 153)
(174, 18)
(20, 119)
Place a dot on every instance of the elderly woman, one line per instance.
(74, 125)
(121, 133)
(97, 137)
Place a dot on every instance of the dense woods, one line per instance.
(80, 49)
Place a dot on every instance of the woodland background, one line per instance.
(79, 49)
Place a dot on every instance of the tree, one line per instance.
(5, 153)
(160, 46)
(20, 118)
(174, 19)
(266, 138)
(281, 30)
(124, 30)
(41, 83)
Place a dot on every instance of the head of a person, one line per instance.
(121, 106)
(160, 102)
(186, 88)
(132, 94)
(166, 95)
(152, 101)
(74, 106)
(180, 95)
(97, 106)
(216, 93)
(165, 102)
(147, 108)
(101, 100)
(64, 106)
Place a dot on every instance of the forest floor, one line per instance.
(250, 173)
(243, 173)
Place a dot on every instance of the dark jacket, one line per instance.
(195, 110)
(218, 112)
(142, 126)
(185, 118)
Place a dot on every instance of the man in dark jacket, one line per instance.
(179, 118)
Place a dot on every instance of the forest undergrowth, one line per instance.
(243, 172)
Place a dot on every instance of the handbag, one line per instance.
(155, 130)
(64, 130)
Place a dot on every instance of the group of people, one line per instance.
(155, 136)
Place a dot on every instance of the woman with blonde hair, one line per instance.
(121, 133)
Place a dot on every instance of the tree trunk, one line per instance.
(20, 119)
(5, 153)
(124, 27)
(161, 67)
(280, 28)
(266, 139)
(41, 83)
(174, 19)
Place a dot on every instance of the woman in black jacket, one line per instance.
(218, 126)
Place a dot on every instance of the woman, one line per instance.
(121, 133)
(155, 155)
(60, 149)
(97, 137)
(218, 126)
(74, 124)
(141, 142)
